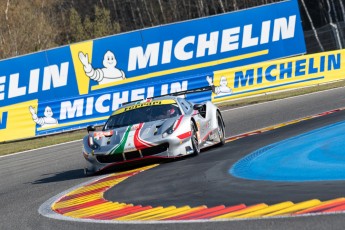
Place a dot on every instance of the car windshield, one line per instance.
(144, 114)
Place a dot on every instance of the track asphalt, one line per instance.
(29, 179)
(204, 180)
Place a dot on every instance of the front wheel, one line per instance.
(194, 139)
(221, 129)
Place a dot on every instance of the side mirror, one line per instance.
(91, 128)
(201, 109)
(197, 106)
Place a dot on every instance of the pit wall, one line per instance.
(73, 86)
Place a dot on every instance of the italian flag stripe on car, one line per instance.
(121, 146)
(138, 142)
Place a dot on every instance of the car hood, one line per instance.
(130, 138)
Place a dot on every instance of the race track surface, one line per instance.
(205, 180)
(29, 179)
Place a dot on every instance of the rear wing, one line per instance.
(197, 90)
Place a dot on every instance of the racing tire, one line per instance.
(194, 139)
(220, 130)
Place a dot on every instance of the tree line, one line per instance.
(33, 25)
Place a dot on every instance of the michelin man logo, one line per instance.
(102, 75)
(222, 88)
(47, 120)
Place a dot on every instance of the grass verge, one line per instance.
(281, 95)
(38, 142)
(17, 146)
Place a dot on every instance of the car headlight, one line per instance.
(91, 143)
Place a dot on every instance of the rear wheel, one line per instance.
(194, 139)
(220, 130)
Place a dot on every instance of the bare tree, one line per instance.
(148, 13)
(162, 12)
(12, 39)
(222, 6)
(312, 25)
(235, 5)
(154, 15)
(342, 8)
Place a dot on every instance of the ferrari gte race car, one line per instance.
(163, 127)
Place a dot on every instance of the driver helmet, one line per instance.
(171, 112)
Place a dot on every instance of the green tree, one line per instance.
(102, 25)
(88, 26)
(25, 27)
(76, 28)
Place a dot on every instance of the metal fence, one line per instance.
(326, 38)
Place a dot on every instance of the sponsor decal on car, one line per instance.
(144, 104)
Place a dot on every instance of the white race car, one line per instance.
(163, 127)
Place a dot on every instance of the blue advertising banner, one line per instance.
(72, 86)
